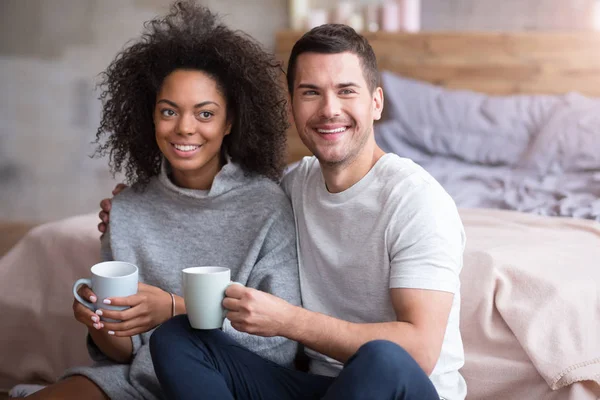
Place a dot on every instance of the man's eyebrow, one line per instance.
(307, 86)
(339, 85)
(347, 84)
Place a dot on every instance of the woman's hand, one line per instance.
(105, 206)
(83, 314)
(149, 307)
(117, 349)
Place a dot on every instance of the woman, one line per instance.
(195, 116)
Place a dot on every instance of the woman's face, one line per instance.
(190, 122)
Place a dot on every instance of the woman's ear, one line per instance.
(228, 128)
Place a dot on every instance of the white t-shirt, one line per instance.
(395, 228)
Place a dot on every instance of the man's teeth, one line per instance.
(337, 130)
(185, 148)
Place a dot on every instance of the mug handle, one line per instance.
(229, 284)
(78, 297)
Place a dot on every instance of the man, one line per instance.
(380, 251)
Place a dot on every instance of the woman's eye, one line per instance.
(205, 114)
(167, 113)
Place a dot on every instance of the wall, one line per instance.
(52, 50)
(507, 15)
(496, 14)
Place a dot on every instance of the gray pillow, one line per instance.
(570, 140)
(389, 137)
(474, 127)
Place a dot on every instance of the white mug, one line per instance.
(109, 279)
(204, 291)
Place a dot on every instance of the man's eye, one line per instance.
(310, 93)
(346, 91)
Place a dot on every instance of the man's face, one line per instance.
(333, 106)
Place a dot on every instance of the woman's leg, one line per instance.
(196, 364)
(72, 388)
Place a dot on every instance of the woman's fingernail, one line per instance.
(97, 326)
(93, 299)
(111, 332)
(99, 312)
(106, 301)
(94, 318)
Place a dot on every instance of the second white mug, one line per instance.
(204, 291)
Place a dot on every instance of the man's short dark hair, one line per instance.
(335, 39)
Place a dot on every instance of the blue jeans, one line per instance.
(208, 364)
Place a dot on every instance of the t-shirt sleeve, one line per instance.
(291, 176)
(426, 241)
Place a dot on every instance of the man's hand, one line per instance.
(256, 312)
(105, 206)
(149, 307)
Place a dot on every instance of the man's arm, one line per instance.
(420, 328)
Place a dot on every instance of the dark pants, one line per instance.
(197, 364)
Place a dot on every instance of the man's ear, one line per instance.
(377, 103)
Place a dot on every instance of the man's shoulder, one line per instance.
(410, 186)
(302, 167)
(399, 172)
(299, 172)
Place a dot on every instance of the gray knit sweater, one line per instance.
(244, 223)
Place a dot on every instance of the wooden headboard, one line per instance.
(494, 63)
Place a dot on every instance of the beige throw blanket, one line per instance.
(530, 317)
(39, 338)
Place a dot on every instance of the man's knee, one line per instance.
(384, 353)
(383, 369)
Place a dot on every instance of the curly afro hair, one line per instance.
(191, 37)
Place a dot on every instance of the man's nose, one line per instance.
(330, 107)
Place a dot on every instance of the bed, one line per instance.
(530, 316)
